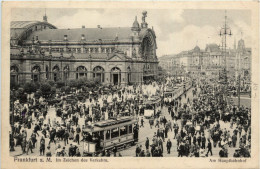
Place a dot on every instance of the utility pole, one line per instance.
(239, 90)
(224, 32)
(239, 77)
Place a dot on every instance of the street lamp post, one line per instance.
(224, 32)
(239, 90)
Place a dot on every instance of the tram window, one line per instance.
(130, 128)
(102, 135)
(95, 136)
(123, 130)
(114, 133)
(108, 134)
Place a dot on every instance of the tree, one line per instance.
(72, 83)
(29, 87)
(20, 95)
(38, 94)
(90, 83)
(60, 84)
(67, 89)
(53, 90)
(14, 85)
(97, 80)
(51, 82)
(45, 89)
(81, 82)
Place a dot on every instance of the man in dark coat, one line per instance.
(137, 151)
(29, 145)
(66, 137)
(52, 136)
(160, 152)
(176, 128)
(166, 131)
(142, 122)
(161, 144)
(199, 140)
(156, 152)
(42, 146)
(203, 141)
(209, 147)
(194, 140)
(181, 150)
(147, 143)
(23, 145)
(115, 151)
(222, 152)
(169, 145)
(36, 129)
(234, 140)
(71, 151)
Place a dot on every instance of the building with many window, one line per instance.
(115, 55)
(210, 61)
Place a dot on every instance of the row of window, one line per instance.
(79, 50)
(115, 132)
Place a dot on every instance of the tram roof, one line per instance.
(111, 123)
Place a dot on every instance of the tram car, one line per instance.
(105, 135)
(178, 91)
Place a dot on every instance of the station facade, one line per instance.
(115, 55)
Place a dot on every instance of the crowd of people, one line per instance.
(205, 122)
(196, 122)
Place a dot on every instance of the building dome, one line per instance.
(135, 24)
(197, 49)
(241, 44)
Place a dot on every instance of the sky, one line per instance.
(176, 29)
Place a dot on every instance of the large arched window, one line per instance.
(36, 70)
(66, 71)
(81, 72)
(128, 74)
(47, 72)
(56, 73)
(115, 76)
(99, 73)
(148, 47)
(14, 74)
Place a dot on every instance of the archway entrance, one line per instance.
(36, 74)
(14, 74)
(98, 73)
(116, 76)
(56, 73)
(81, 72)
(115, 79)
(128, 75)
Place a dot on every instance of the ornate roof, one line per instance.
(19, 27)
(89, 33)
(136, 26)
(213, 47)
(197, 49)
(22, 24)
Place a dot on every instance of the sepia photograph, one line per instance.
(130, 82)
